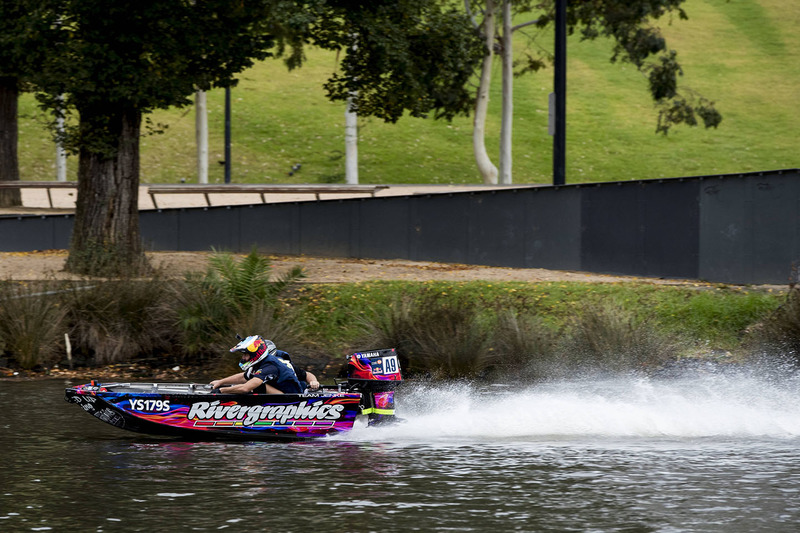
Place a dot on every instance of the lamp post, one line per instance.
(227, 134)
(559, 107)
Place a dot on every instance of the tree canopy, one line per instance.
(637, 40)
(144, 54)
(111, 63)
(630, 24)
(407, 55)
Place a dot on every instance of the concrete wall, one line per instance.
(742, 228)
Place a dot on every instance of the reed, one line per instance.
(443, 336)
(452, 338)
(526, 346)
(434, 335)
(609, 338)
(483, 330)
(31, 324)
(117, 321)
(779, 332)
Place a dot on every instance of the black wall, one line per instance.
(742, 228)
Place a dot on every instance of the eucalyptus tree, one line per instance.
(637, 40)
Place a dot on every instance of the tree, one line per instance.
(414, 56)
(114, 62)
(22, 22)
(485, 166)
(637, 40)
(9, 163)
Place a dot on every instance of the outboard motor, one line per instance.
(376, 375)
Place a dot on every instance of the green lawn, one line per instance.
(742, 55)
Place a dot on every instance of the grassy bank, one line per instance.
(443, 329)
(742, 55)
(709, 316)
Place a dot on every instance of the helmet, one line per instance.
(253, 350)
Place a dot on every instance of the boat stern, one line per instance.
(375, 374)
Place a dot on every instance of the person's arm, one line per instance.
(311, 379)
(249, 386)
(230, 380)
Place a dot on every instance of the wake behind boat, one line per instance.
(193, 410)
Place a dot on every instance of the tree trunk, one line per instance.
(350, 144)
(485, 166)
(508, 96)
(201, 135)
(9, 128)
(105, 237)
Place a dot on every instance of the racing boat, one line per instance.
(192, 410)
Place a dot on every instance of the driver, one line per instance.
(263, 370)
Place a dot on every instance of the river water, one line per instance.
(701, 453)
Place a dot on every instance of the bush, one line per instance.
(452, 339)
(780, 330)
(392, 326)
(525, 346)
(434, 335)
(31, 324)
(232, 297)
(607, 338)
(116, 321)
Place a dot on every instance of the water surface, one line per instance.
(707, 453)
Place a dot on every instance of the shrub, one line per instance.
(524, 345)
(607, 338)
(445, 338)
(392, 326)
(452, 339)
(780, 330)
(232, 297)
(115, 321)
(31, 324)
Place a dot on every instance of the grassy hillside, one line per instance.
(742, 55)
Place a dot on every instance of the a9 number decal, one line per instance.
(390, 365)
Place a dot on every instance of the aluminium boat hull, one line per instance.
(192, 411)
(196, 411)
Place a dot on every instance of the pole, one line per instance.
(508, 97)
(227, 134)
(350, 144)
(560, 90)
(61, 155)
(201, 133)
(351, 132)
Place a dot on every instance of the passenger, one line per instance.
(263, 370)
(306, 378)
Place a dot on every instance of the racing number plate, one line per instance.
(386, 365)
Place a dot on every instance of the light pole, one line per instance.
(560, 95)
(227, 134)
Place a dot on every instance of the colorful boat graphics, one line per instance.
(193, 410)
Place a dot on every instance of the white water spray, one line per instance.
(738, 406)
